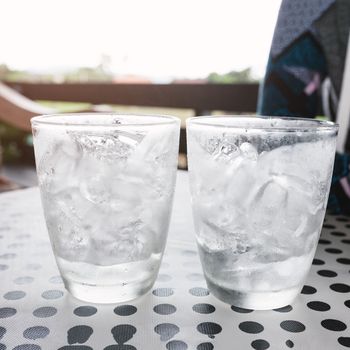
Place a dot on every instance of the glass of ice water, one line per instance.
(259, 191)
(107, 184)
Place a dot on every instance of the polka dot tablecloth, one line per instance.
(36, 312)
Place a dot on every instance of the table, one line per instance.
(37, 313)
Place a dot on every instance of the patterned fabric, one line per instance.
(303, 53)
(292, 80)
(296, 18)
(332, 32)
(339, 197)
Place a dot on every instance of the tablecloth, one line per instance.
(36, 312)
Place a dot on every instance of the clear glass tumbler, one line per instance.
(259, 191)
(107, 184)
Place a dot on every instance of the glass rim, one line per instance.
(309, 126)
(158, 119)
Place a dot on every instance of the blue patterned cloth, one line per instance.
(284, 92)
(295, 18)
(301, 57)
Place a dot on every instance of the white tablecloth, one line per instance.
(36, 312)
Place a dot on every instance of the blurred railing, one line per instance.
(199, 97)
(202, 98)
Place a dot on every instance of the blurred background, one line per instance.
(182, 58)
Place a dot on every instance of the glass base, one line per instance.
(107, 294)
(254, 300)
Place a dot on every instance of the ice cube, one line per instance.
(108, 146)
(129, 243)
(248, 151)
(69, 240)
(267, 207)
(226, 151)
(151, 163)
(57, 165)
(216, 238)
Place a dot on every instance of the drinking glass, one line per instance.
(259, 191)
(107, 184)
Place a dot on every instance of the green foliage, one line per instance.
(86, 74)
(17, 75)
(243, 76)
(66, 107)
(14, 144)
(100, 73)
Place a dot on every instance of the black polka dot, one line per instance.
(163, 292)
(333, 325)
(191, 264)
(164, 309)
(333, 250)
(347, 303)
(34, 267)
(344, 261)
(209, 328)
(7, 312)
(308, 290)
(166, 330)
(24, 280)
(338, 234)
(37, 332)
(23, 236)
(27, 347)
(56, 280)
(199, 291)
(203, 308)
(2, 332)
(318, 262)
(251, 327)
(241, 310)
(289, 343)
(163, 278)
(318, 306)
(195, 277)
(85, 311)
(189, 253)
(125, 310)
(123, 333)
(324, 241)
(260, 344)
(205, 346)
(292, 326)
(79, 334)
(287, 308)
(3, 267)
(346, 241)
(2, 346)
(165, 265)
(329, 226)
(43, 244)
(345, 341)
(8, 256)
(14, 295)
(340, 287)
(52, 294)
(45, 311)
(15, 245)
(327, 273)
(176, 345)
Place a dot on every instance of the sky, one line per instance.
(152, 38)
